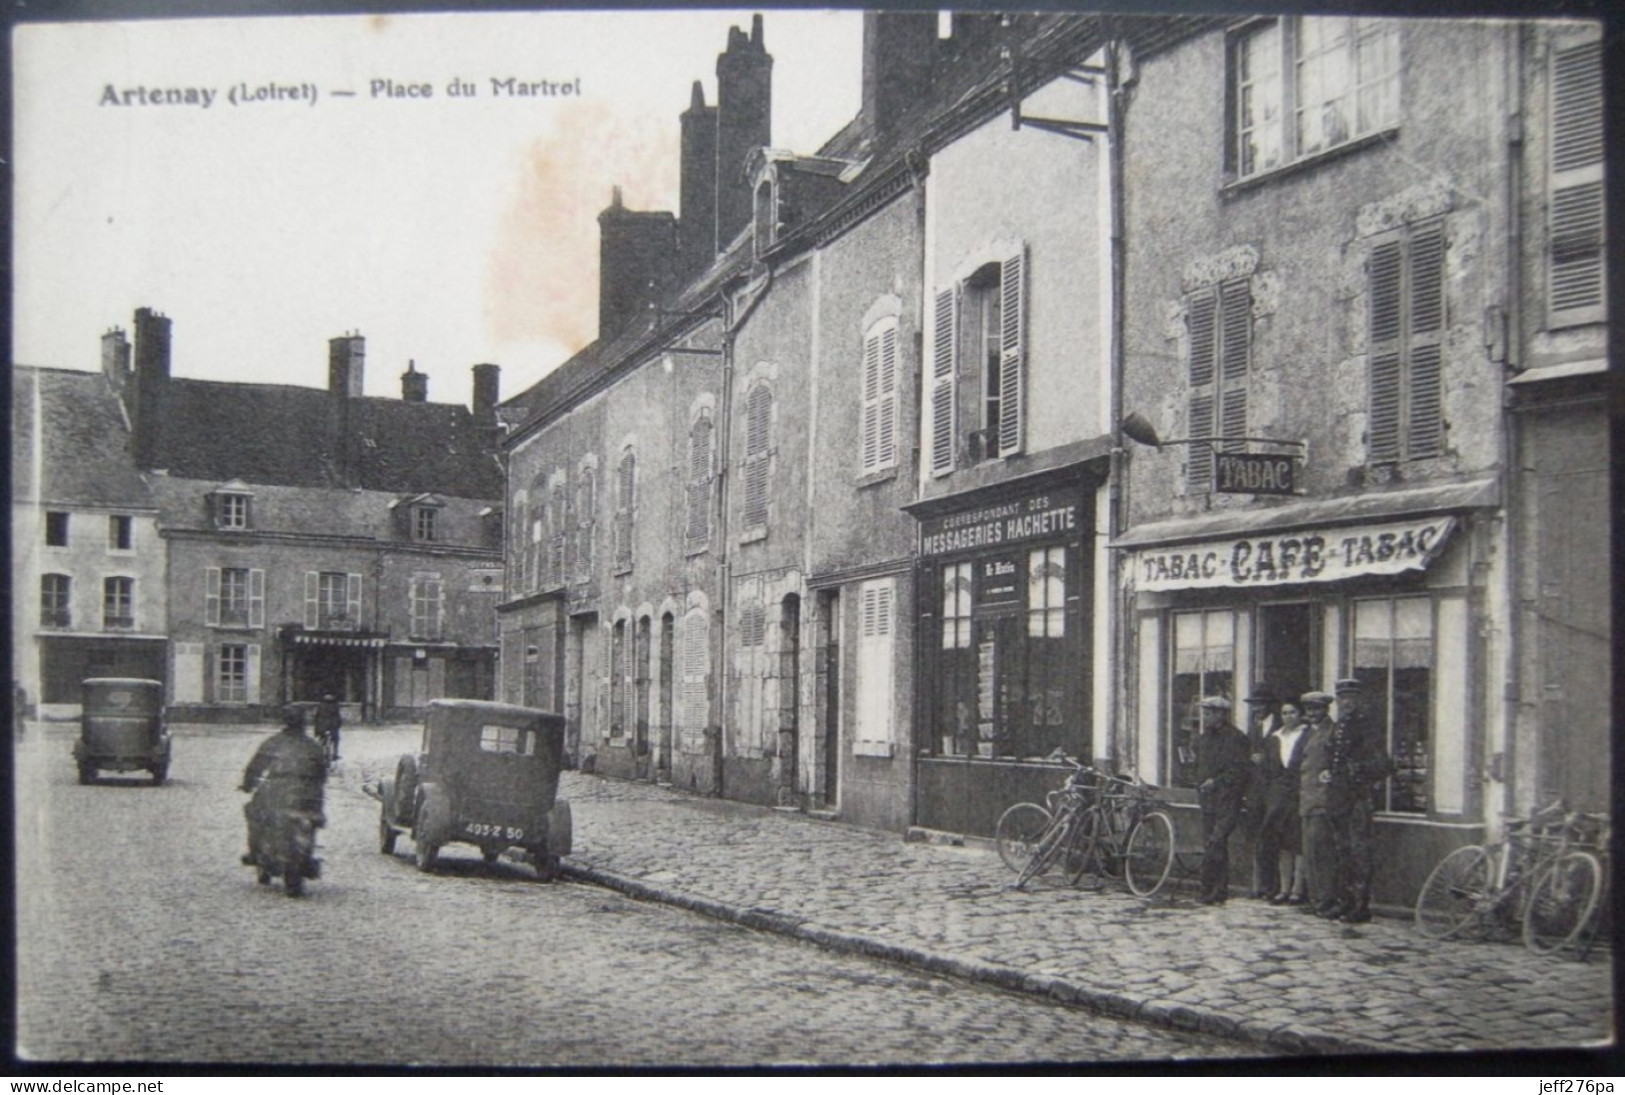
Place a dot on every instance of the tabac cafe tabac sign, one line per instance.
(1312, 555)
(1034, 517)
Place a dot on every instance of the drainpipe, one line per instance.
(1117, 499)
(1517, 39)
(733, 318)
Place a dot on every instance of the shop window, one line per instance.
(1301, 86)
(56, 529)
(1406, 344)
(1575, 213)
(1204, 664)
(1220, 321)
(1393, 659)
(957, 665)
(879, 422)
(56, 600)
(120, 532)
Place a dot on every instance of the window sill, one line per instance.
(750, 536)
(884, 749)
(692, 550)
(875, 478)
(1308, 163)
(621, 572)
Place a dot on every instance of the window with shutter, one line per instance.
(625, 485)
(758, 452)
(1575, 211)
(1012, 367)
(697, 528)
(1406, 310)
(875, 667)
(587, 498)
(694, 704)
(879, 422)
(944, 357)
(617, 674)
(1219, 320)
(558, 548)
(256, 597)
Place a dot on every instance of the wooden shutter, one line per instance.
(887, 399)
(870, 429)
(1575, 217)
(187, 677)
(875, 663)
(1235, 356)
(696, 667)
(1384, 345)
(557, 548)
(1424, 426)
(256, 598)
(584, 520)
(758, 420)
(211, 596)
(251, 671)
(312, 598)
(1012, 365)
(1201, 321)
(944, 334)
(699, 480)
(626, 482)
(352, 600)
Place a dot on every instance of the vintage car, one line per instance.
(121, 728)
(485, 774)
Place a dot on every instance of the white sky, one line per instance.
(447, 231)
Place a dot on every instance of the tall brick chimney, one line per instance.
(637, 257)
(152, 336)
(346, 364)
(414, 385)
(487, 382)
(744, 123)
(116, 361)
(899, 51)
(697, 217)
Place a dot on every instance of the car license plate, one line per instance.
(484, 831)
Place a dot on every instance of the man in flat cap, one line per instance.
(1223, 765)
(1316, 804)
(1359, 761)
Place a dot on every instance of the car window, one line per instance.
(508, 739)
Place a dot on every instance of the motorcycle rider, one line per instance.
(288, 772)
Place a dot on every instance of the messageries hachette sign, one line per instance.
(1309, 555)
(1015, 521)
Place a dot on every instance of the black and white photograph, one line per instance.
(800, 539)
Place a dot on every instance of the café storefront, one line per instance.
(1389, 588)
(1006, 577)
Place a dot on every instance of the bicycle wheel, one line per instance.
(1148, 858)
(1562, 901)
(1085, 856)
(1454, 892)
(1049, 848)
(1018, 831)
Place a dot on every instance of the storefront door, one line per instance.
(1289, 648)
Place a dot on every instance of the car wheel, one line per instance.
(386, 832)
(546, 864)
(87, 773)
(265, 877)
(160, 773)
(293, 883)
(425, 854)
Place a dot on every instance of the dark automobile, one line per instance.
(486, 774)
(121, 728)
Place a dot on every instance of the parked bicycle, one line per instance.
(1544, 881)
(1096, 825)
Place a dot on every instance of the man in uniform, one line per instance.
(1223, 765)
(1358, 762)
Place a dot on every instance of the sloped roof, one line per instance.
(67, 424)
(289, 436)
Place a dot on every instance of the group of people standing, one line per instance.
(1305, 779)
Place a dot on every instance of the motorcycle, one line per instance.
(284, 846)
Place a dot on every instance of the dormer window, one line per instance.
(423, 523)
(232, 506)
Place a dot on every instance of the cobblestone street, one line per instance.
(141, 938)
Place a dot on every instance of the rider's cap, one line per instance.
(292, 715)
(1216, 703)
(1316, 699)
(1349, 684)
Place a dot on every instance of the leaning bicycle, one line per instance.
(1096, 825)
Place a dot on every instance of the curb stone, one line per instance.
(1183, 1017)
